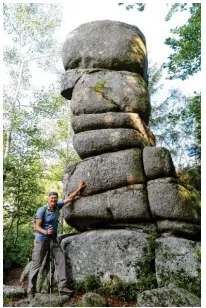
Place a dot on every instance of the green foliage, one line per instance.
(186, 58)
(115, 287)
(35, 123)
(139, 6)
(18, 254)
(181, 127)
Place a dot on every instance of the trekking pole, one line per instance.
(50, 266)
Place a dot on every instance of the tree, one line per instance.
(186, 57)
(139, 6)
(186, 44)
(30, 28)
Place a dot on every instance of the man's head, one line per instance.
(52, 199)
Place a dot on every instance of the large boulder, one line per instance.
(103, 253)
(109, 91)
(100, 141)
(87, 122)
(157, 163)
(177, 262)
(170, 200)
(123, 205)
(167, 297)
(121, 47)
(105, 172)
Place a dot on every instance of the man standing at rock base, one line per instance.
(46, 230)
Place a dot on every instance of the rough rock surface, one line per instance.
(86, 122)
(100, 141)
(107, 252)
(181, 229)
(167, 297)
(107, 91)
(69, 80)
(43, 300)
(172, 201)
(157, 163)
(92, 299)
(127, 204)
(105, 172)
(177, 262)
(121, 47)
(13, 292)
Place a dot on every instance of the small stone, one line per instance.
(91, 299)
(13, 292)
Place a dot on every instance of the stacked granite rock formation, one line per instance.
(131, 186)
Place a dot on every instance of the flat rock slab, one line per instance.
(107, 252)
(87, 122)
(124, 205)
(100, 141)
(121, 47)
(172, 201)
(13, 292)
(167, 297)
(177, 262)
(110, 91)
(44, 300)
(105, 172)
(157, 163)
(181, 229)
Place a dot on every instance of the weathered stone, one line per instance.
(87, 122)
(100, 141)
(158, 163)
(177, 262)
(109, 91)
(126, 204)
(69, 80)
(172, 201)
(105, 172)
(167, 297)
(44, 300)
(13, 292)
(124, 253)
(121, 47)
(178, 228)
(92, 299)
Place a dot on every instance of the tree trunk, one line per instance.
(11, 125)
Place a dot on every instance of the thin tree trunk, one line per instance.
(10, 129)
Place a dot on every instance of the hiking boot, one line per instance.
(66, 291)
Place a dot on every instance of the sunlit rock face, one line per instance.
(106, 44)
(132, 194)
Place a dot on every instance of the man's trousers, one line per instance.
(39, 252)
